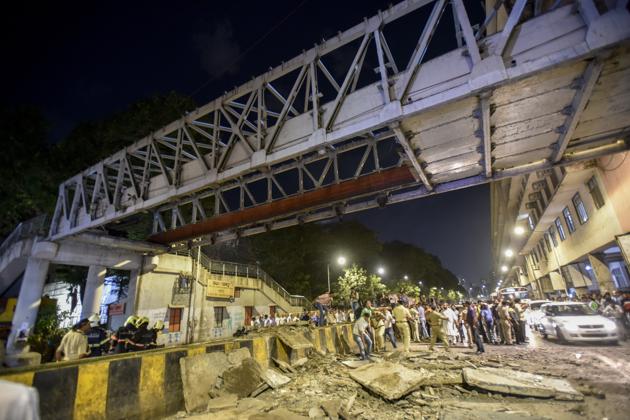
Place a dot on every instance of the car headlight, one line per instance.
(610, 326)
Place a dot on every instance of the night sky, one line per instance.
(79, 61)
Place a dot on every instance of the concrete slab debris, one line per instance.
(391, 381)
(277, 414)
(199, 376)
(274, 378)
(514, 382)
(293, 338)
(244, 379)
(223, 402)
(353, 364)
(284, 366)
(332, 408)
(316, 413)
(235, 357)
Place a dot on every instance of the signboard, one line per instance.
(220, 288)
(116, 309)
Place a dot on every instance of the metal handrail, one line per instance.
(249, 271)
(37, 226)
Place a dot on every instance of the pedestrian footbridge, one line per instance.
(535, 84)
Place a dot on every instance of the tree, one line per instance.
(407, 288)
(36, 167)
(356, 278)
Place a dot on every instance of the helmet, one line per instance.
(131, 320)
(142, 320)
(94, 320)
(159, 325)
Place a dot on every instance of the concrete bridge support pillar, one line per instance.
(28, 303)
(93, 291)
(130, 306)
(602, 273)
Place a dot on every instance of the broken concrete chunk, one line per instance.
(275, 379)
(244, 379)
(293, 338)
(525, 384)
(223, 402)
(391, 381)
(199, 376)
(235, 357)
(284, 366)
(316, 413)
(331, 408)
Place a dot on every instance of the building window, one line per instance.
(568, 219)
(580, 209)
(548, 242)
(552, 235)
(174, 319)
(237, 292)
(560, 229)
(220, 313)
(530, 220)
(596, 193)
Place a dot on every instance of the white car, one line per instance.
(533, 314)
(576, 321)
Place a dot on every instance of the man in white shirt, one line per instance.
(389, 327)
(74, 345)
(361, 336)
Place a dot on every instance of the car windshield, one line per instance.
(570, 310)
(536, 306)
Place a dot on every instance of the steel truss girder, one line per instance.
(285, 113)
(387, 196)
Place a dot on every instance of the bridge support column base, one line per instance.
(93, 291)
(28, 304)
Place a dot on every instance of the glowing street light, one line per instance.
(509, 253)
(406, 277)
(380, 270)
(341, 260)
(504, 268)
(519, 230)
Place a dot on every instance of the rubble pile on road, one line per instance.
(393, 386)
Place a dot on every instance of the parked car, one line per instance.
(533, 314)
(576, 321)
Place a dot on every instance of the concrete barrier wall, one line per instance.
(148, 384)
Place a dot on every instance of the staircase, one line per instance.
(249, 276)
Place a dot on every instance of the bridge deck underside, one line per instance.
(527, 119)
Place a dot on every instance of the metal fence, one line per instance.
(249, 271)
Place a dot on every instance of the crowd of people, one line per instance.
(88, 338)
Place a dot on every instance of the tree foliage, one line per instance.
(36, 167)
(369, 286)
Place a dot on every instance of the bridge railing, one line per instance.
(226, 268)
(37, 226)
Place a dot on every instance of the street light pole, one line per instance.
(328, 272)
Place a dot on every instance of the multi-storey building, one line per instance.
(564, 230)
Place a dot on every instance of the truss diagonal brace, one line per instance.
(579, 103)
(418, 172)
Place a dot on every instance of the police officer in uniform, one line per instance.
(98, 339)
(402, 315)
(121, 337)
(434, 318)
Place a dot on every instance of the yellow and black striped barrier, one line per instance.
(147, 384)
